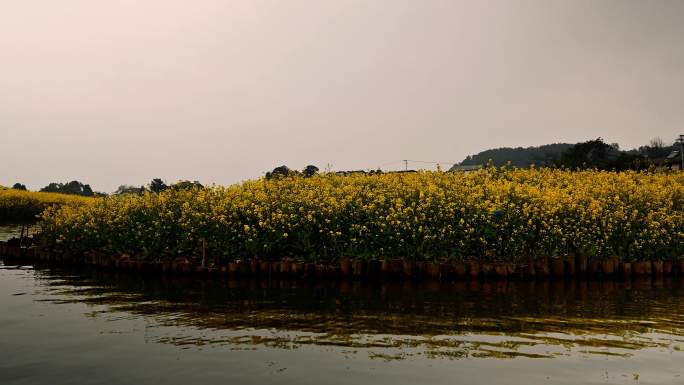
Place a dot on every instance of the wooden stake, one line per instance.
(204, 256)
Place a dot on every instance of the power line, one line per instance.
(430, 162)
(405, 162)
(390, 163)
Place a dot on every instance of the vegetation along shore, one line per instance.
(22, 205)
(496, 221)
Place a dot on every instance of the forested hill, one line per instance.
(519, 157)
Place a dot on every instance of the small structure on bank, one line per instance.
(673, 161)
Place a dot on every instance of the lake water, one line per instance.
(11, 230)
(86, 326)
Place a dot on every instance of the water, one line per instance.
(84, 326)
(11, 230)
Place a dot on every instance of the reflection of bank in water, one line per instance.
(392, 320)
(16, 230)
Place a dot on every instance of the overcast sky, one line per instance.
(120, 91)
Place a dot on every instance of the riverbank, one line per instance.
(497, 217)
(568, 268)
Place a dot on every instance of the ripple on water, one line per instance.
(392, 321)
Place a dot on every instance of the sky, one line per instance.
(122, 91)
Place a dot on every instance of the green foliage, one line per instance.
(590, 154)
(594, 154)
(545, 155)
(126, 189)
(278, 172)
(74, 188)
(157, 185)
(187, 185)
(310, 171)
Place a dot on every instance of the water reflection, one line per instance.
(11, 230)
(388, 321)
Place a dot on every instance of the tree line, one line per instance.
(593, 154)
(156, 185)
(281, 171)
(75, 187)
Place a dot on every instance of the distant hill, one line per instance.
(519, 157)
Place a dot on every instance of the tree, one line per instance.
(74, 188)
(310, 171)
(657, 142)
(19, 186)
(546, 155)
(590, 154)
(279, 171)
(187, 185)
(630, 161)
(87, 191)
(126, 189)
(656, 148)
(157, 185)
(52, 187)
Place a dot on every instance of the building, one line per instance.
(673, 161)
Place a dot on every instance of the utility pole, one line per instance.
(681, 152)
(405, 164)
